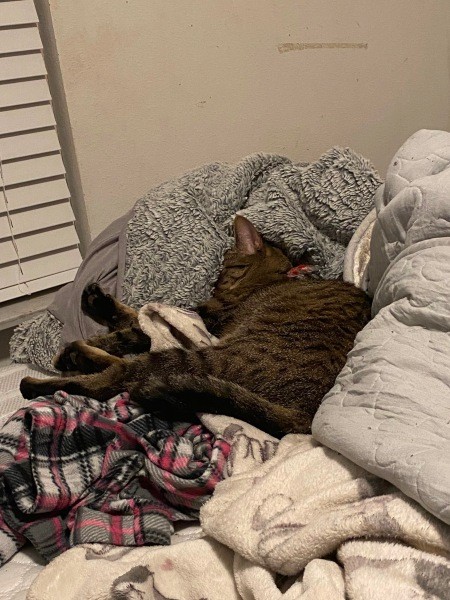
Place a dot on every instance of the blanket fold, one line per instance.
(307, 501)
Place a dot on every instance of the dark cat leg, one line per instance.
(118, 343)
(81, 357)
(100, 386)
(130, 340)
(125, 338)
(106, 310)
(177, 397)
(118, 377)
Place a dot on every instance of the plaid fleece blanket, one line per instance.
(74, 470)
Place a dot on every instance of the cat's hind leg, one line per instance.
(120, 376)
(180, 396)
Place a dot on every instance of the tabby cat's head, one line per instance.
(252, 264)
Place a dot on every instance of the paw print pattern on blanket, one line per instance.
(247, 449)
(385, 567)
(275, 520)
(306, 502)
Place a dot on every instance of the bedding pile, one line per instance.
(185, 225)
(292, 519)
(286, 507)
(358, 511)
(75, 470)
(389, 411)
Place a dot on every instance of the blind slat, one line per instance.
(38, 239)
(24, 92)
(40, 266)
(24, 119)
(32, 169)
(21, 66)
(38, 243)
(28, 196)
(20, 146)
(37, 218)
(17, 13)
(43, 283)
(20, 40)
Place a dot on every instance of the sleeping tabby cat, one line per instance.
(282, 343)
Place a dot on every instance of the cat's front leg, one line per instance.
(106, 310)
(81, 357)
(97, 353)
(131, 340)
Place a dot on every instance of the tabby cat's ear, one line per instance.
(248, 240)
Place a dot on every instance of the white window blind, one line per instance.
(38, 240)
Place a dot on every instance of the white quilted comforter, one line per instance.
(389, 411)
(19, 573)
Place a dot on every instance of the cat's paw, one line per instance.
(78, 357)
(96, 304)
(68, 358)
(30, 388)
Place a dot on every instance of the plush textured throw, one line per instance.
(390, 408)
(285, 507)
(357, 255)
(74, 470)
(170, 247)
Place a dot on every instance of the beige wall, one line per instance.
(155, 87)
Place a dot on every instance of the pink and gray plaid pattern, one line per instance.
(74, 470)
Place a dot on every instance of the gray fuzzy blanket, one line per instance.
(170, 247)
